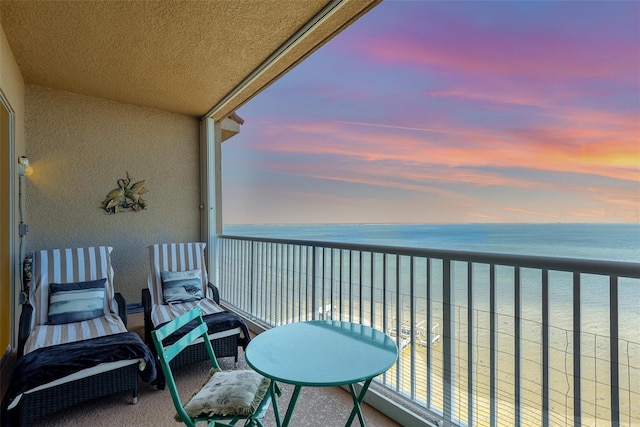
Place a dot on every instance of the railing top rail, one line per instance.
(588, 266)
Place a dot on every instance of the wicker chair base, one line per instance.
(53, 399)
(222, 347)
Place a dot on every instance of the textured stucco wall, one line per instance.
(79, 146)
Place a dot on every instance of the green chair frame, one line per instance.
(165, 355)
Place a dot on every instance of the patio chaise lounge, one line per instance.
(178, 282)
(73, 342)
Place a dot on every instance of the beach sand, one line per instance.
(416, 372)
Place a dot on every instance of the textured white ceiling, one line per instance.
(178, 56)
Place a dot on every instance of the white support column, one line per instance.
(211, 190)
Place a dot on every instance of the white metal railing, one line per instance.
(486, 339)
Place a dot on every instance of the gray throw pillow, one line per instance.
(181, 286)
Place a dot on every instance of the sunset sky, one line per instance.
(450, 112)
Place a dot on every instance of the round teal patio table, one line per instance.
(321, 353)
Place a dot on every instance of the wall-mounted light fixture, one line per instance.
(24, 169)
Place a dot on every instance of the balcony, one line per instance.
(486, 339)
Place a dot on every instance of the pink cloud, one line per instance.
(544, 56)
(388, 178)
(596, 151)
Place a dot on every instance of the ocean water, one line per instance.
(605, 242)
(609, 242)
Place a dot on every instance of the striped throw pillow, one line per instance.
(181, 286)
(75, 302)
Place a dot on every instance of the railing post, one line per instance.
(448, 340)
(517, 347)
(340, 295)
(613, 348)
(314, 303)
(331, 281)
(399, 367)
(429, 331)
(252, 286)
(412, 322)
(577, 352)
(350, 286)
(373, 290)
(546, 406)
(493, 347)
(280, 283)
(470, 345)
(385, 317)
(361, 287)
(287, 285)
(218, 272)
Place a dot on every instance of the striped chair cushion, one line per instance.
(163, 313)
(177, 257)
(46, 335)
(69, 266)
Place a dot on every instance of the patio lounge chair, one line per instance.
(178, 282)
(227, 396)
(70, 352)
